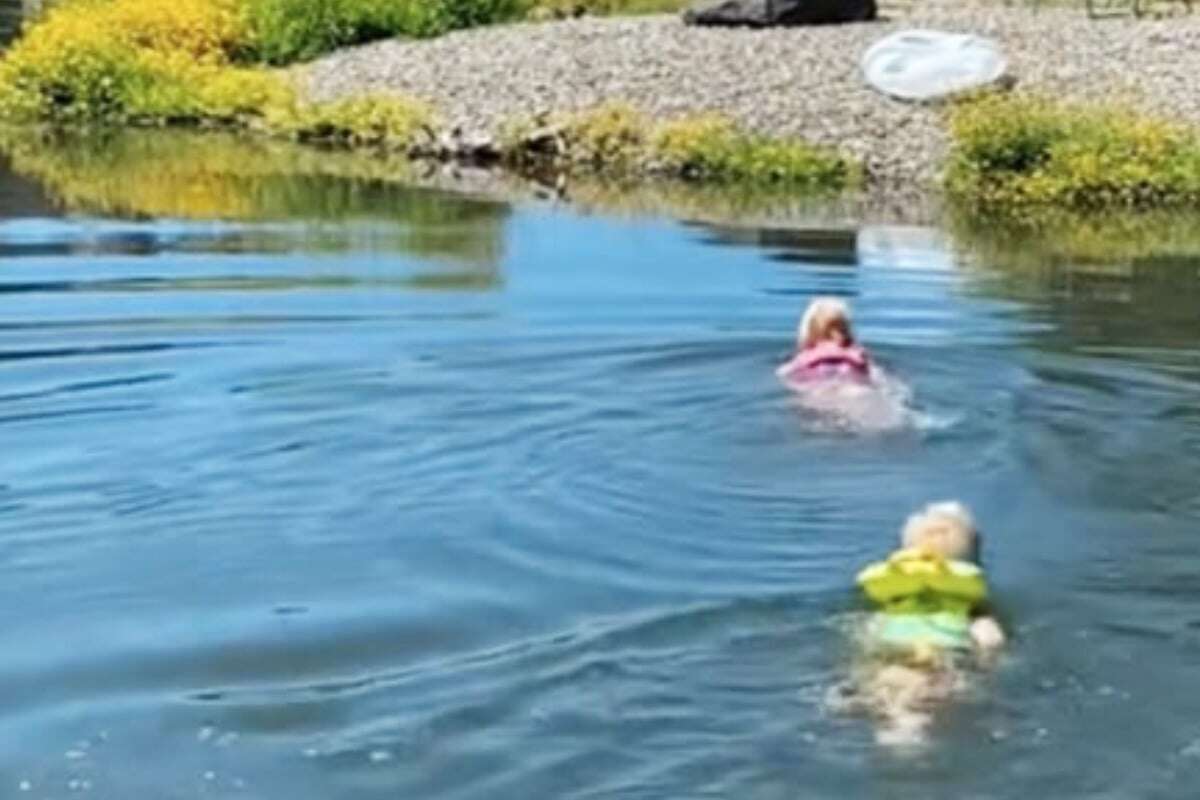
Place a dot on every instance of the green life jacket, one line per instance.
(926, 599)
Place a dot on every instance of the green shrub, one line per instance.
(394, 123)
(285, 31)
(456, 14)
(558, 9)
(1019, 152)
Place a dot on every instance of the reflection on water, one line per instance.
(1076, 240)
(1115, 302)
(319, 486)
(1110, 278)
(342, 199)
(825, 246)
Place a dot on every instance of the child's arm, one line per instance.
(784, 371)
(986, 633)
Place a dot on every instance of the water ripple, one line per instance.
(439, 498)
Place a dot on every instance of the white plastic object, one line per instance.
(926, 64)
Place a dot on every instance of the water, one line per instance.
(362, 491)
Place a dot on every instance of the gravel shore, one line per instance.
(782, 82)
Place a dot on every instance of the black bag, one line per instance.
(763, 13)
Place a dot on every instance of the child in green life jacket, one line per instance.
(931, 598)
(932, 592)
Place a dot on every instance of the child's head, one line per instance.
(946, 529)
(826, 319)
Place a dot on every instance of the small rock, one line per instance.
(543, 141)
(478, 147)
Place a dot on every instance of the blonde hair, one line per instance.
(823, 315)
(947, 529)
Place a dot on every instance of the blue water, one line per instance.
(291, 507)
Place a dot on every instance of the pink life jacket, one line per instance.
(827, 360)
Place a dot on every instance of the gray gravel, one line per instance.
(798, 81)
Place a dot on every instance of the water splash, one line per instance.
(882, 405)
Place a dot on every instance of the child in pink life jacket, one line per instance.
(826, 346)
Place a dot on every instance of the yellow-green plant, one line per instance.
(617, 139)
(147, 62)
(711, 146)
(393, 122)
(612, 136)
(100, 60)
(1021, 152)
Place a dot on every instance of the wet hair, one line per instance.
(823, 315)
(947, 529)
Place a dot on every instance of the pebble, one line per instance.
(801, 81)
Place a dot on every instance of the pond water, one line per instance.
(317, 486)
